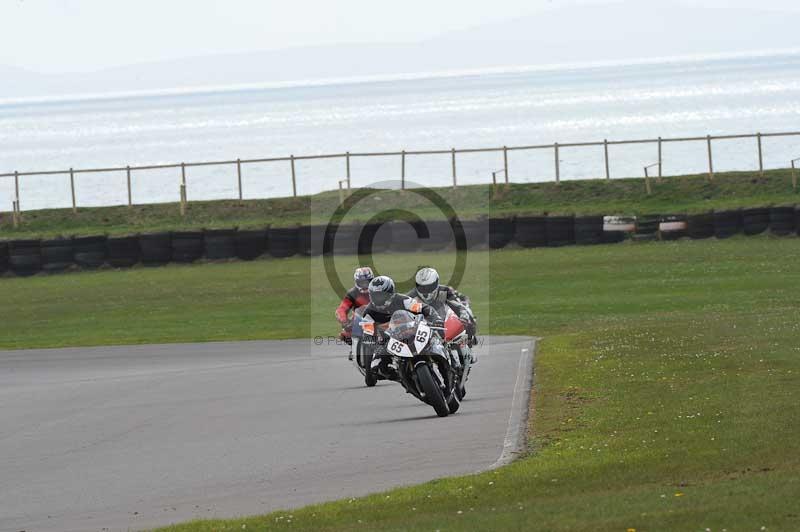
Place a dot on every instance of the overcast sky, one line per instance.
(82, 35)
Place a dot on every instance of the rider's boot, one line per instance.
(473, 341)
(384, 367)
(345, 337)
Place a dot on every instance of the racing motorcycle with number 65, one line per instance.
(415, 357)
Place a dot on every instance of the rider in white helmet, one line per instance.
(429, 290)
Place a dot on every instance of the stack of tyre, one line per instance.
(28, 257)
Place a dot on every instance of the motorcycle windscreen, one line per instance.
(358, 316)
(403, 325)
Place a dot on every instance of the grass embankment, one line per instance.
(665, 397)
(684, 194)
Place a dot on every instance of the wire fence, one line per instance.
(402, 156)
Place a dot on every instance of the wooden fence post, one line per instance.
(72, 189)
(605, 152)
(16, 187)
(403, 170)
(130, 197)
(294, 177)
(760, 156)
(15, 213)
(794, 176)
(347, 158)
(558, 164)
(183, 189)
(453, 158)
(505, 162)
(710, 159)
(660, 161)
(239, 176)
(647, 181)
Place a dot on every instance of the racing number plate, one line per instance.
(422, 337)
(398, 348)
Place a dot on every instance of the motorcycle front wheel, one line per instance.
(433, 393)
(365, 359)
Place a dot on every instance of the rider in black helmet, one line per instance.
(385, 301)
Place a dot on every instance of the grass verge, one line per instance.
(665, 394)
(683, 194)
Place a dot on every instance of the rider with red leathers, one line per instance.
(429, 290)
(356, 297)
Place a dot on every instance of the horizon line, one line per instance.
(83, 97)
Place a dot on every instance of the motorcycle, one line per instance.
(416, 358)
(456, 341)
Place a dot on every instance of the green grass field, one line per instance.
(682, 194)
(666, 389)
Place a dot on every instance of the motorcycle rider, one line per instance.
(356, 297)
(429, 290)
(383, 302)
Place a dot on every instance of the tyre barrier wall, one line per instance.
(220, 244)
(250, 244)
(123, 252)
(284, 242)
(57, 255)
(727, 223)
(782, 221)
(646, 228)
(90, 251)
(476, 232)
(589, 230)
(673, 227)
(501, 232)
(28, 257)
(617, 228)
(699, 226)
(187, 246)
(155, 248)
(531, 231)
(3, 257)
(24, 257)
(405, 236)
(755, 221)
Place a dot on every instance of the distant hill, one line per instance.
(616, 31)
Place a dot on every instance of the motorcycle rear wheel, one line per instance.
(433, 394)
(369, 378)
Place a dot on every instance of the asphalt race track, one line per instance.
(120, 438)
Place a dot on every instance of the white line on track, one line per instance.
(516, 432)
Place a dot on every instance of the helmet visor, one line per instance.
(426, 292)
(380, 299)
(363, 283)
